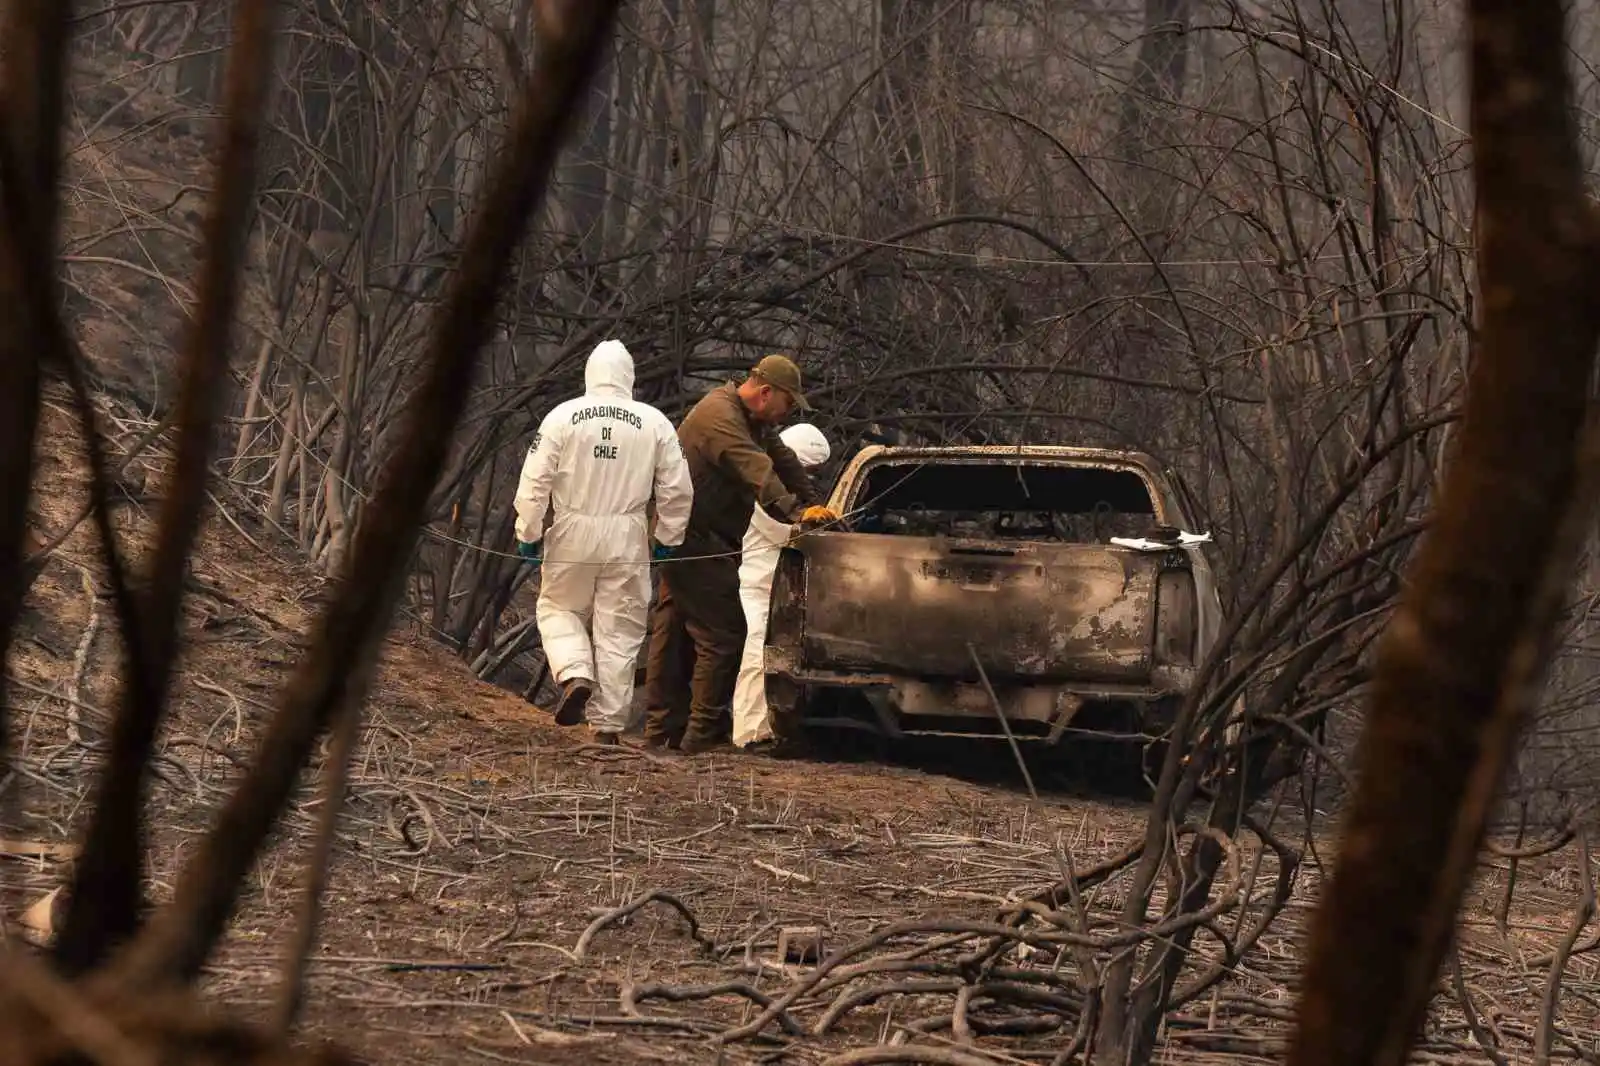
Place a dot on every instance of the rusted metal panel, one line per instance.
(1040, 611)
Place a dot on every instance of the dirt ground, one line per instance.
(481, 842)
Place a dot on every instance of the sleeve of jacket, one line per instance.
(674, 488)
(736, 452)
(787, 465)
(538, 474)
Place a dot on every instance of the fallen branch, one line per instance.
(998, 934)
(1063, 891)
(862, 997)
(1229, 897)
(1244, 941)
(932, 1056)
(611, 917)
(632, 994)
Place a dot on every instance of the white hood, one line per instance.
(609, 371)
(807, 443)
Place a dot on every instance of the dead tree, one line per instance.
(122, 985)
(1460, 668)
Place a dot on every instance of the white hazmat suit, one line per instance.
(596, 462)
(758, 564)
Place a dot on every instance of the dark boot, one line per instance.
(777, 748)
(701, 736)
(574, 701)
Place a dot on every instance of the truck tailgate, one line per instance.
(1037, 611)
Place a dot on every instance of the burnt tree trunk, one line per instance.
(1461, 664)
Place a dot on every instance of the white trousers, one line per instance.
(752, 720)
(594, 602)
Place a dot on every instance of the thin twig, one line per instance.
(80, 658)
(1000, 713)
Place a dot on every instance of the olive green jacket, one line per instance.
(736, 462)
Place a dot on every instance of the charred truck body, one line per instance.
(1009, 550)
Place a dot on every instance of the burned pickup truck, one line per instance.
(1060, 578)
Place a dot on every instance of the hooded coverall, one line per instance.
(757, 567)
(596, 462)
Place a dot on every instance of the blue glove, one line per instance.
(660, 553)
(531, 553)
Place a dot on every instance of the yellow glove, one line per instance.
(819, 515)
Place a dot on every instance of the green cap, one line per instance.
(780, 372)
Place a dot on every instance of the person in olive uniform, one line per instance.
(736, 460)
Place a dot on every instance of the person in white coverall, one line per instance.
(596, 462)
(752, 724)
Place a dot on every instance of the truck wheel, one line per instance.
(1120, 767)
(787, 702)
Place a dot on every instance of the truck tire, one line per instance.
(787, 703)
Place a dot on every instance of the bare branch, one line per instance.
(347, 634)
(35, 32)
